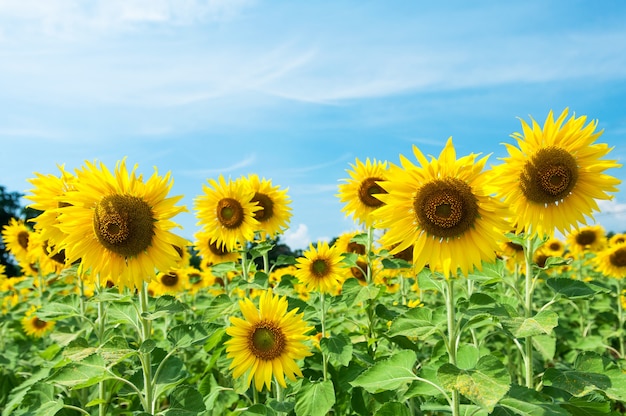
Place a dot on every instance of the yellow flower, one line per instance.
(35, 327)
(612, 261)
(226, 213)
(211, 252)
(118, 226)
(552, 181)
(267, 342)
(359, 193)
(345, 244)
(3, 275)
(171, 282)
(16, 236)
(320, 268)
(554, 247)
(586, 239)
(274, 213)
(443, 211)
(615, 239)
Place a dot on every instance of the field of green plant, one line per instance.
(466, 291)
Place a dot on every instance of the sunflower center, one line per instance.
(124, 224)
(267, 341)
(22, 239)
(217, 250)
(540, 259)
(356, 248)
(618, 257)
(59, 256)
(549, 176)
(445, 208)
(169, 279)
(357, 271)
(515, 247)
(319, 268)
(555, 247)
(585, 238)
(229, 213)
(267, 207)
(38, 323)
(368, 189)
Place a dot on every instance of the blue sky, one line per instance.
(296, 91)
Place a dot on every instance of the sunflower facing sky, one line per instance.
(119, 225)
(554, 177)
(441, 209)
(320, 268)
(267, 342)
(274, 213)
(359, 192)
(226, 212)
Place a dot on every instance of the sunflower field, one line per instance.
(467, 290)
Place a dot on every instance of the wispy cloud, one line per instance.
(202, 173)
(311, 168)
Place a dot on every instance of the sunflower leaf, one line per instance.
(393, 409)
(338, 348)
(570, 288)
(185, 401)
(87, 372)
(315, 399)
(186, 335)
(389, 374)
(354, 293)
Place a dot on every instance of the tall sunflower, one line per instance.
(16, 236)
(586, 239)
(267, 342)
(119, 225)
(227, 213)
(211, 252)
(443, 211)
(618, 238)
(274, 213)
(554, 177)
(35, 327)
(360, 191)
(612, 261)
(320, 268)
(170, 282)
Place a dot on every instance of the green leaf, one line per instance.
(427, 280)
(542, 323)
(485, 385)
(354, 293)
(219, 307)
(394, 264)
(41, 399)
(283, 260)
(576, 383)
(393, 409)
(467, 356)
(84, 373)
(338, 348)
(417, 323)
(122, 313)
(258, 410)
(570, 288)
(147, 346)
(18, 393)
(389, 374)
(545, 345)
(315, 399)
(185, 401)
(165, 305)
(183, 336)
(171, 373)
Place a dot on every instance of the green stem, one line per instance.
(100, 329)
(323, 322)
(620, 318)
(452, 339)
(279, 395)
(77, 409)
(145, 357)
(528, 310)
(369, 278)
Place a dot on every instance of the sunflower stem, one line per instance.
(620, 318)
(100, 328)
(452, 339)
(323, 322)
(145, 357)
(279, 395)
(528, 312)
(369, 278)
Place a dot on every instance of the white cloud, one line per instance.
(298, 238)
(247, 161)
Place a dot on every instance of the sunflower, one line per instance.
(226, 213)
(612, 261)
(47, 196)
(320, 268)
(2, 274)
(345, 244)
(443, 211)
(119, 226)
(586, 239)
(16, 236)
(512, 253)
(615, 239)
(211, 252)
(554, 247)
(359, 193)
(46, 257)
(274, 213)
(267, 342)
(171, 282)
(552, 181)
(35, 327)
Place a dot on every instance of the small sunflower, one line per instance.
(615, 239)
(554, 247)
(320, 268)
(119, 226)
(512, 253)
(226, 213)
(586, 239)
(612, 261)
(171, 282)
(16, 236)
(443, 211)
(35, 327)
(345, 244)
(274, 213)
(359, 193)
(211, 252)
(267, 342)
(552, 181)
